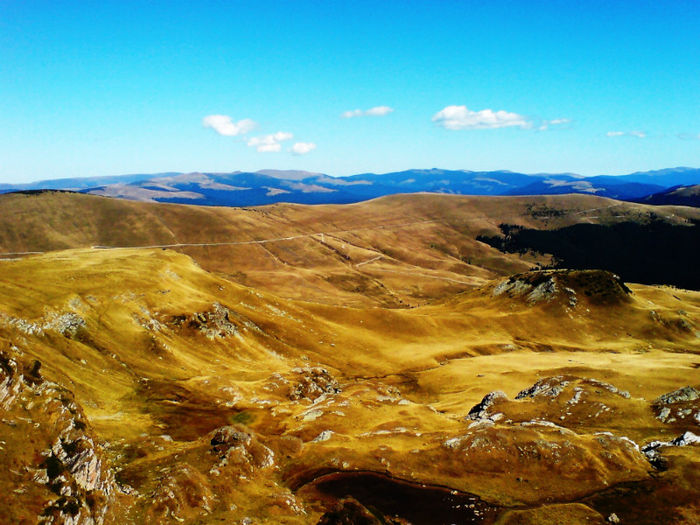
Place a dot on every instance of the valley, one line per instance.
(365, 363)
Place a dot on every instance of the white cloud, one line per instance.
(460, 117)
(554, 122)
(378, 111)
(224, 125)
(302, 148)
(269, 143)
(352, 113)
(638, 134)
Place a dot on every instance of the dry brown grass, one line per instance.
(157, 367)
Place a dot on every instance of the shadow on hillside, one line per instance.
(653, 253)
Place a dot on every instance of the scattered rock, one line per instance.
(678, 406)
(687, 393)
(68, 324)
(480, 410)
(214, 323)
(311, 383)
(72, 467)
(554, 386)
(539, 286)
(323, 436)
(550, 386)
(239, 448)
(653, 454)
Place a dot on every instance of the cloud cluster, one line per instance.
(224, 125)
(638, 134)
(269, 143)
(378, 111)
(460, 117)
(302, 148)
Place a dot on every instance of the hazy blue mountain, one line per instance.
(78, 184)
(599, 186)
(270, 186)
(667, 178)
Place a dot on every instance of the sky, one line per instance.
(106, 88)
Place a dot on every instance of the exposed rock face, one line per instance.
(182, 489)
(551, 387)
(214, 323)
(554, 386)
(68, 324)
(653, 454)
(235, 446)
(480, 410)
(312, 383)
(533, 448)
(687, 393)
(72, 467)
(534, 287)
(679, 406)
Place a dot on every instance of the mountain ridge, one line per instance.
(242, 188)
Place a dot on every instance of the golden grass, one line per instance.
(155, 357)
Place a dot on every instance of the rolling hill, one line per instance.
(357, 254)
(366, 363)
(677, 195)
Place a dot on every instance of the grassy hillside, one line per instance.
(395, 251)
(172, 393)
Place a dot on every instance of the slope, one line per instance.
(152, 385)
(396, 251)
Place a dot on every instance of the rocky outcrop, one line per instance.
(481, 410)
(679, 406)
(311, 383)
(538, 450)
(568, 286)
(237, 447)
(72, 467)
(182, 489)
(214, 323)
(554, 386)
(653, 453)
(68, 324)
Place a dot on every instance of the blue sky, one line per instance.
(102, 88)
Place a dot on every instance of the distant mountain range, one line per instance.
(668, 186)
